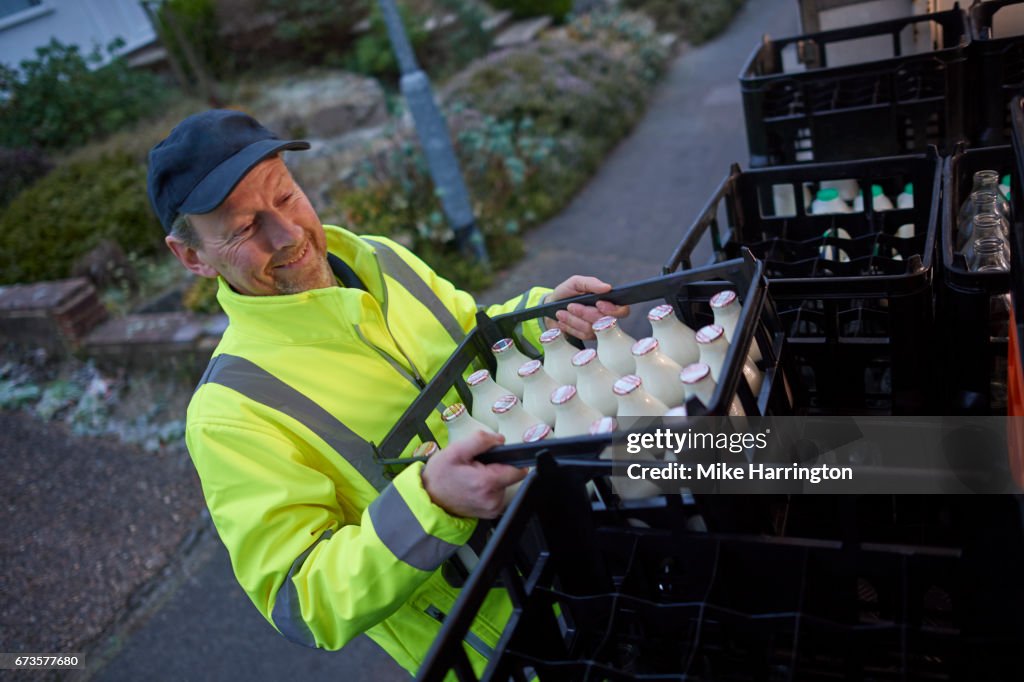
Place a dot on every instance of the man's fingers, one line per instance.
(505, 474)
(589, 285)
(467, 449)
(608, 308)
(576, 326)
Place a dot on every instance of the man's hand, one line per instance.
(462, 486)
(577, 318)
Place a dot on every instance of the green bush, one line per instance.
(318, 30)
(63, 99)
(696, 20)
(535, 8)
(565, 88)
(19, 168)
(64, 215)
(197, 22)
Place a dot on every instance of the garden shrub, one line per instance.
(63, 216)
(696, 20)
(197, 21)
(19, 168)
(534, 8)
(58, 101)
(317, 30)
(563, 87)
(529, 125)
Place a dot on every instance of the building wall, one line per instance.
(79, 22)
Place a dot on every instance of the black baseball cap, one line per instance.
(204, 157)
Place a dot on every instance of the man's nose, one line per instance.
(282, 230)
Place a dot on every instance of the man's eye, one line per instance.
(286, 198)
(241, 232)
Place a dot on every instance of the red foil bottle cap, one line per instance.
(710, 333)
(453, 411)
(603, 425)
(550, 335)
(627, 384)
(562, 394)
(644, 346)
(659, 313)
(694, 372)
(504, 404)
(723, 299)
(502, 346)
(583, 357)
(536, 432)
(478, 377)
(529, 368)
(606, 322)
(425, 449)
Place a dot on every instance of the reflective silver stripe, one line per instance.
(415, 285)
(401, 532)
(257, 384)
(287, 615)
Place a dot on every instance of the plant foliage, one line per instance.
(63, 98)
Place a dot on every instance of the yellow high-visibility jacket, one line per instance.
(278, 430)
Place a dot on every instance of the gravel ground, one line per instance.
(88, 523)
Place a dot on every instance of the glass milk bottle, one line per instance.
(676, 339)
(713, 347)
(558, 354)
(634, 400)
(594, 382)
(485, 393)
(697, 382)
(613, 346)
(573, 417)
(659, 373)
(426, 449)
(984, 181)
(725, 306)
(509, 361)
(513, 420)
(534, 434)
(460, 423)
(537, 389)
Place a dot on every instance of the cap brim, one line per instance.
(218, 183)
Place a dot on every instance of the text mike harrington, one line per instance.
(666, 440)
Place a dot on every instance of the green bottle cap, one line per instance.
(909, 188)
(828, 194)
(1005, 180)
(876, 190)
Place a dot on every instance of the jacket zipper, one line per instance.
(471, 638)
(384, 310)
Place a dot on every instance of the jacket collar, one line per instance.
(311, 316)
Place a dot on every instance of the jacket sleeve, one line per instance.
(464, 307)
(319, 571)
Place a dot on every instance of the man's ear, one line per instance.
(189, 257)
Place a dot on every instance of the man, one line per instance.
(331, 337)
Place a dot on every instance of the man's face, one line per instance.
(265, 239)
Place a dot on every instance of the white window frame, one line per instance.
(40, 10)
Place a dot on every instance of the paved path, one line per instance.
(620, 227)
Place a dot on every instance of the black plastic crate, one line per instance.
(688, 293)
(595, 596)
(887, 107)
(974, 350)
(859, 334)
(1015, 359)
(997, 73)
